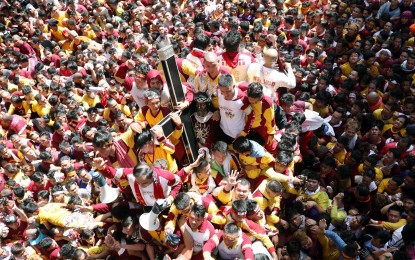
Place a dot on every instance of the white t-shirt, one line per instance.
(271, 79)
(232, 117)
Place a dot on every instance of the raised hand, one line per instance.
(232, 178)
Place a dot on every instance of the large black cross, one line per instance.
(171, 72)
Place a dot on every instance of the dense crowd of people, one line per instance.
(303, 111)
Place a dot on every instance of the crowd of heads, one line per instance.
(304, 113)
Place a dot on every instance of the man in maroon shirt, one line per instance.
(49, 248)
(22, 46)
(17, 224)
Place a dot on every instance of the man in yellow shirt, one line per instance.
(58, 33)
(156, 149)
(338, 149)
(266, 22)
(395, 219)
(264, 122)
(268, 196)
(19, 107)
(314, 199)
(41, 107)
(253, 157)
(391, 186)
(90, 98)
(112, 107)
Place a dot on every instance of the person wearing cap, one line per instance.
(383, 61)
(156, 81)
(196, 230)
(237, 215)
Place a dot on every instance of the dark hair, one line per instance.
(201, 41)
(242, 145)
(43, 194)
(239, 206)
(350, 250)
(363, 190)
(201, 166)
(232, 40)
(199, 210)
(293, 247)
(182, 201)
(79, 252)
(57, 188)
(312, 175)
(288, 99)
(67, 251)
(329, 161)
(255, 90)
(274, 186)
(101, 138)
(85, 234)
(383, 236)
(30, 207)
(46, 243)
(74, 200)
(299, 118)
(143, 169)
(396, 208)
(120, 211)
(396, 153)
(17, 248)
(231, 228)
(142, 139)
